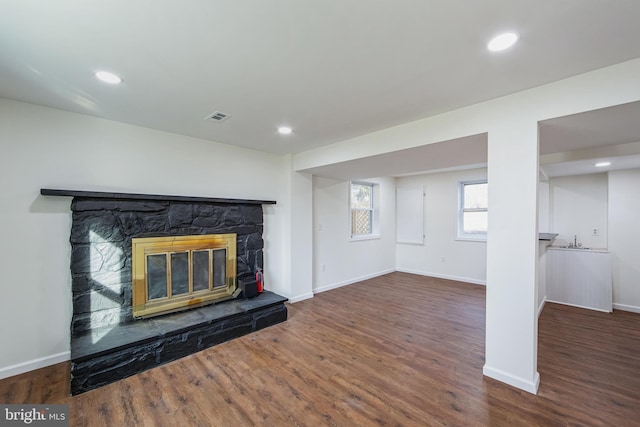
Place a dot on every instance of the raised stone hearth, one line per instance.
(107, 343)
(104, 356)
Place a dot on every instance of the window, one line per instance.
(362, 213)
(473, 212)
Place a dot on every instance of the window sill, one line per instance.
(365, 237)
(482, 239)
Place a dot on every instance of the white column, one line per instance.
(512, 245)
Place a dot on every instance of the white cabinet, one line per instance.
(581, 278)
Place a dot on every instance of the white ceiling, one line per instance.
(455, 154)
(607, 126)
(331, 70)
(571, 145)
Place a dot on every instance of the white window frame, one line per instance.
(477, 237)
(375, 212)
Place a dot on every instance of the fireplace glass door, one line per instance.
(173, 273)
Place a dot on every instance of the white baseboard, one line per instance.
(300, 297)
(521, 383)
(351, 281)
(579, 306)
(544, 300)
(443, 276)
(624, 307)
(34, 364)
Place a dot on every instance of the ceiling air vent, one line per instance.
(217, 116)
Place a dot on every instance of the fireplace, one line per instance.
(174, 273)
(137, 258)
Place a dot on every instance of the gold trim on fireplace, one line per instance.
(141, 248)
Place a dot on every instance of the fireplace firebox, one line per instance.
(178, 272)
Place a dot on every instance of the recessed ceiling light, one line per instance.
(602, 164)
(284, 130)
(108, 77)
(502, 42)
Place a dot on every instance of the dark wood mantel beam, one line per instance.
(156, 197)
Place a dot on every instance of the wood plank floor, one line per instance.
(398, 350)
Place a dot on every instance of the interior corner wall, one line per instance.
(442, 254)
(624, 235)
(49, 148)
(337, 260)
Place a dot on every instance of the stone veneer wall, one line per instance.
(101, 234)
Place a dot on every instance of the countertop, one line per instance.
(560, 248)
(547, 236)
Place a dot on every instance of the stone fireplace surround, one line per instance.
(107, 343)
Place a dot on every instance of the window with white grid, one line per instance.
(362, 210)
(473, 213)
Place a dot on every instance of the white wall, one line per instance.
(541, 290)
(47, 148)
(300, 249)
(442, 255)
(543, 207)
(577, 205)
(543, 227)
(349, 261)
(624, 238)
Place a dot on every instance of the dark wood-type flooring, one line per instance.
(398, 350)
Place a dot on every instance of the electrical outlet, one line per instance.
(443, 259)
(596, 232)
(324, 267)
